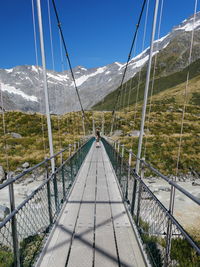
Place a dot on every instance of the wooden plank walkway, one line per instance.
(94, 229)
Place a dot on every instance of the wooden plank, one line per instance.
(105, 247)
(82, 246)
(129, 252)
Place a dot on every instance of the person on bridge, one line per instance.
(98, 137)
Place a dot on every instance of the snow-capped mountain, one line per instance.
(22, 86)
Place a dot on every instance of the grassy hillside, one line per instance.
(163, 127)
(33, 144)
(160, 84)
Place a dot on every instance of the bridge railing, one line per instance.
(23, 231)
(166, 242)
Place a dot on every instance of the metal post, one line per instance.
(121, 171)
(115, 145)
(112, 124)
(55, 186)
(129, 172)
(139, 194)
(93, 124)
(122, 151)
(103, 121)
(133, 196)
(70, 150)
(169, 228)
(14, 228)
(63, 178)
(83, 123)
(72, 169)
(74, 147)
(49, 195)
(146, 87)
(45, 85)
(118, 149)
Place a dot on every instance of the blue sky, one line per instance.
(96, 32)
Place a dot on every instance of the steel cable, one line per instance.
(128, 59)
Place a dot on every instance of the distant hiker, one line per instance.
(97, 137)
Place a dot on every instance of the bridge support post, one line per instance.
(133, 196)
(14, 228)
(118, 149)
(63, 178)
(103, 121)
(50, 136)
(70, 150)
(55, 186)
(139, 194)
(129, 173)
(121, 168)
(169, 229)
(115, 145)
(49, 195)
(122, 151)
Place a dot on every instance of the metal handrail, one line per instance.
(184, 233)
(169, 181)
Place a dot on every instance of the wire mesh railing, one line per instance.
(166, 242)
(24, 230)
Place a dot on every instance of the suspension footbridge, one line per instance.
(94, 207)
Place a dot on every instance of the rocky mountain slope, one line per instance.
(22, 86)
(172, 59)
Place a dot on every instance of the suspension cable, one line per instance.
(38, 71)
(53, 65)
(4, 130)
(186, 89)
(129, 57)
(131, 80)
(153, 78)
(143, 42)
(62, 68)
(67, 56)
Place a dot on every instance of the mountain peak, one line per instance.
(189, 24)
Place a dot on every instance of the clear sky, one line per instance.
(97, 32)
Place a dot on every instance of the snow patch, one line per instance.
(161, 39)
(84, 78)
(58, 77)
(189, 26)
(9, 70)
(64, 76)
(34, 68)
(83, 68)
(120, 65)
(107, 72)
(142, 61)
(165, 45)
(109, 79)
(13, 90)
